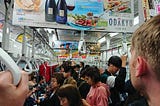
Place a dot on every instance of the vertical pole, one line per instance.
(124, 44)
(108, 38)
(6, 28)
(33, 44)
(24, 47)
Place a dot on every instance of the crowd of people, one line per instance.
(84, 85)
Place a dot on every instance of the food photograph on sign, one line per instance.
(30, 5)
(122, 6)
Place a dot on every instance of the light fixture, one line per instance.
(103, 39)
(113, 34)
(136, 20)
(54, 37)
(50, 30)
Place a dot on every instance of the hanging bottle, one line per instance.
(61, 16)
(50, 10)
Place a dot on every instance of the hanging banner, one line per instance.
(120, 15)
(93, 48)
(157, 6)
(32, 13)
(1, 21)
(66, 48)
(145, 5)
(88, 6)
(101, 15)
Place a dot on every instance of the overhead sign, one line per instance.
(29, 13)
(101, 15)
(120, 15)
(85, 6)
(1, 21)
(65, 48)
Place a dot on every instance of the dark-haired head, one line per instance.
(71, 93)
(116, 61)
(59, 77)
(82, 64)
(93, 73)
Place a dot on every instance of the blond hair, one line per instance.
(146, 43)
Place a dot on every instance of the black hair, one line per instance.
(115, 60)
(72, 94)
(76, 66)
(83, 71)
(67, 66)
(82, 63)
(59, 77)
(93, 73)
(61, 45)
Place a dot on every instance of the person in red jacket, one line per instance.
(44, 70)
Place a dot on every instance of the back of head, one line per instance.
(146, 43)
(70, 92)
(115, 60)
(76, 66)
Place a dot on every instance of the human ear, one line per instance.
(141, 66)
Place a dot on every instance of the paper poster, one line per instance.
(32, 13)
(157, 6)
(93, 48)
(1, 22)
(85, 6)
(120, 15)
(65, 48)
(101, 15)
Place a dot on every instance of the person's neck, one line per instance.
(55, 89)
(153, 92)
(109, 71)
(96, 84)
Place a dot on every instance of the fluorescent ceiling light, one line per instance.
(136, 20)
(8, 30)
(50, 30)
(113, 34)
(54, 37)
(38, 29)
(103, 39)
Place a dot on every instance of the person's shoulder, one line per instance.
(140, 102)
(102, 86)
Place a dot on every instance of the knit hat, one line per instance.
(115, 60)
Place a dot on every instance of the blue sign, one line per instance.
(85, 6)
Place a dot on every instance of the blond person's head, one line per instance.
(146, 43)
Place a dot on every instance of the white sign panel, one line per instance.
(120, 15)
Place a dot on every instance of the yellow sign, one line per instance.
(20, 37)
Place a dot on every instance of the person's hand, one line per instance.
(124, 60)
(11, 95)
(84, 102)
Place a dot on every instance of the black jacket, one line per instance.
(118, 86)
(51, 101)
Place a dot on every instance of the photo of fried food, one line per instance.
(117, 5)
(30, 5)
